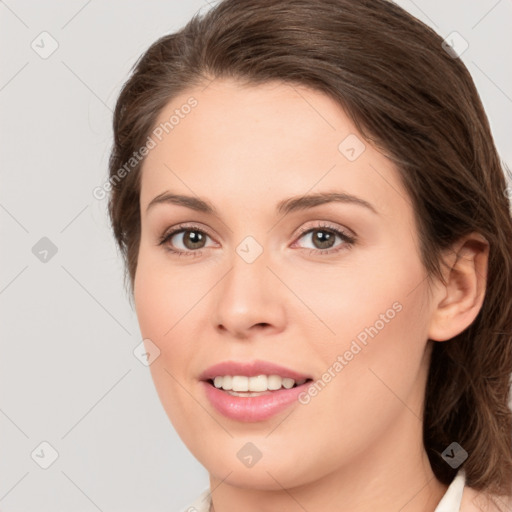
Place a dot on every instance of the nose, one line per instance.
(249, 300)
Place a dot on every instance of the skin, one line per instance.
(359, 441)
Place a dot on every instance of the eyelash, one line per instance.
(348, 240)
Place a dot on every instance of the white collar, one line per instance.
(452, 498)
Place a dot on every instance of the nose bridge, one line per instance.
(249, 293)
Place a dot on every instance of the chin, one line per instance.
(268, 473)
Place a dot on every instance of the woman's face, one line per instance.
(328, 290)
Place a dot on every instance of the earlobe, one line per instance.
(457, 302)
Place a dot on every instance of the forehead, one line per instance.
(263, 142)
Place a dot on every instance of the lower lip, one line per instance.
(252, 408)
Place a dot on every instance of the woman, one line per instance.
(318, 241)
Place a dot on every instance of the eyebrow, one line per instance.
(286, 206)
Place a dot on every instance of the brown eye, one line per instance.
(324, 238)
(184, 240)
(192, 239)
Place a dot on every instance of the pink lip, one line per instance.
(250, 369)
(251, 408)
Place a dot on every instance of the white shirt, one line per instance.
(450, 502)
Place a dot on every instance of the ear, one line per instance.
(457, 303)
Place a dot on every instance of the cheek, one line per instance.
(171, 314)
(161, 295)
(379, 317)
(373, 351)
(373, 297)
(159, 306)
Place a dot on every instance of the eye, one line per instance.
(323, 238)
(188, 240)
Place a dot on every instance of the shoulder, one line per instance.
(476, 501)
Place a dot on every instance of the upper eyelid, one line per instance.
(327, 225)
(187, 227)
(301, 232)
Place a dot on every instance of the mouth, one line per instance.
(251, 406)
(250, 391)
(260, 385)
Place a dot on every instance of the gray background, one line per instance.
(68, 375)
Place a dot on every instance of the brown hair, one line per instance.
(418, 105)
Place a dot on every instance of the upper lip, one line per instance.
(251, 369)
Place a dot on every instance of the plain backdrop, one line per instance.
(68, 375)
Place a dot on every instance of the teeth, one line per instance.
(258, 383)
(241, 383)
(288, 383)
(274, 382)
(227, 383)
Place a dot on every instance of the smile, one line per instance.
(242, 383)
(252, 406)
